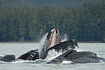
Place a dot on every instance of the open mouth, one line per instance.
(53, 38)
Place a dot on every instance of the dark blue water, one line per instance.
(20, 48)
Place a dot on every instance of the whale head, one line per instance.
(52, 38)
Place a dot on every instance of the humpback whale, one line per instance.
(7, 58)
(52, 39)
(53, 42)
(30, 55)
(62, 47)
(76, 57)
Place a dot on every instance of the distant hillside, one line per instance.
(86, 24)
(30, 3)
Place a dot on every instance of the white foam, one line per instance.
(67, 62)
(52, 54)
(1, 55)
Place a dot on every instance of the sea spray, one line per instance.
(64, 38)
(42, 43)
(52, 54)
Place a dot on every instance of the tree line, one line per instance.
(56, 3)
(86, 23)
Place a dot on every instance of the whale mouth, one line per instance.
(53, 38)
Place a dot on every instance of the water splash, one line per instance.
(64, 38)
(52, 54)
(42, 43)
(66, 62)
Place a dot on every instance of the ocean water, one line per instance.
(20, 48)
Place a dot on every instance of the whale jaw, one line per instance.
(52, 39)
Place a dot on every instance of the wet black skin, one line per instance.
(64, 46)
(76, 57)
(31, 55)
(7, 58)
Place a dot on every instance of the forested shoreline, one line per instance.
(56, 3)
(86, 24)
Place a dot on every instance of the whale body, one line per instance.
(63, 46)
(76, 57)
(30, 55)
(7, 58)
